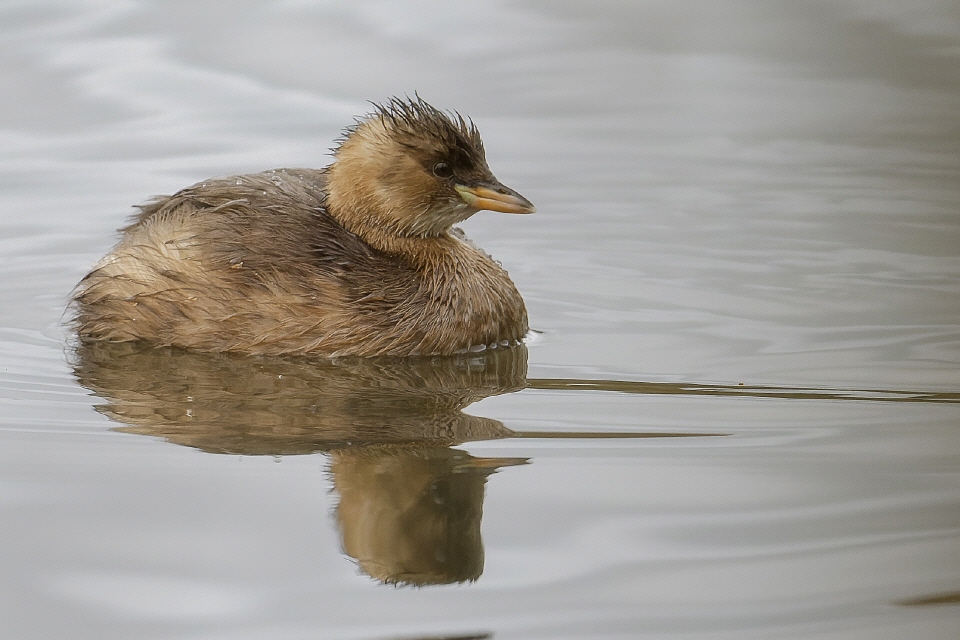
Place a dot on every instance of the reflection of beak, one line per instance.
(494, 196)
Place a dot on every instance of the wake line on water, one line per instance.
(741, 390)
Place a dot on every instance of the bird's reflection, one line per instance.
(410, 505)
(412, 515)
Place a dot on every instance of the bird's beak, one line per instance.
(493, 196)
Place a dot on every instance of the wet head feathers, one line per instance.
(417, 121)
(424, 131)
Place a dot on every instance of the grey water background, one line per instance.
(747, 233)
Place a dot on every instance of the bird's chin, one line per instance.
(439, 222)
(454, 214)
(461, 212)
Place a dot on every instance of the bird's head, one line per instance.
(412, 170)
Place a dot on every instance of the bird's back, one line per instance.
(231, 264)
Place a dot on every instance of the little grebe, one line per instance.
(360, 258)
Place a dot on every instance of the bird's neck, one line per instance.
(424, 252)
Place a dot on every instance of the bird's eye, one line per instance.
(442, 170)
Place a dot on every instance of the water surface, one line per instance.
(738, 419)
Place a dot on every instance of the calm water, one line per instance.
(740, 418)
